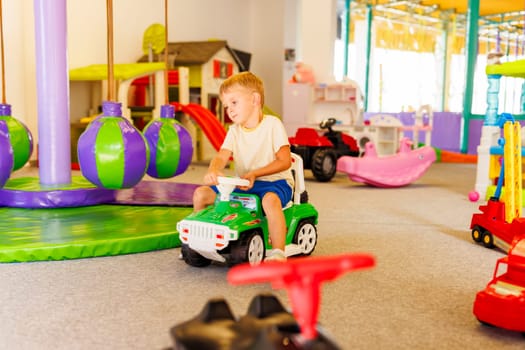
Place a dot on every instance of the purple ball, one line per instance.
(112, 153)
(6, 158)
(170, 144)
(19, 136)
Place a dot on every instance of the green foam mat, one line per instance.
(83, 232)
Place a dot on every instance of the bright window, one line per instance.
(404, 80)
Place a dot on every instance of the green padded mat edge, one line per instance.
(71, 233)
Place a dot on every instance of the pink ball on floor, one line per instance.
(473, 196)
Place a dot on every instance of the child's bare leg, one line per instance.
(202, 197)
(276, 222)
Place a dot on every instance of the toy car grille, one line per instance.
(200, 230)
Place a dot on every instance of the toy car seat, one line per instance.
(305, 136)
(299, 186)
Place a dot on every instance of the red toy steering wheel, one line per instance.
(302, 278)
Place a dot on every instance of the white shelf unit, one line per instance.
(334, 101)
(335, 93)
(387, 141)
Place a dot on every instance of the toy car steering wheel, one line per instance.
(235, 181)
(328, 123)
(228, 184)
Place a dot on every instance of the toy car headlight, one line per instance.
(233, 235)
(223, 233)
(183, 230)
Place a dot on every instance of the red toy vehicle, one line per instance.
(490, 228)
(499, 223)
(502, 302)
(320, 153)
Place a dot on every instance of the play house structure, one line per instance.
(209, 63)
(93, 78)
(96, 76)
(489, 153)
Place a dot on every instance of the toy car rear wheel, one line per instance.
(249, 249)
(324, 162)
(488, 240)
(306, 237)
(477, 234)
(193, 258)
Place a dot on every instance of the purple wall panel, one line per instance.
(446, 129)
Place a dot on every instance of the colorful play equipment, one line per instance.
(16, 141)
(500, 221)
(491, 131)
(6, 158)
(206, 120)
(501, 224)
(400, 169)
(75, 218)
(170, 145)
(19, 136)
(113, 153)
(125, 74)
(267, 324)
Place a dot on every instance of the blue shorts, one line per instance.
(280, 187)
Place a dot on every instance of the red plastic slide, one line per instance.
(206, 120)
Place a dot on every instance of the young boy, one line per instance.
(261, 154)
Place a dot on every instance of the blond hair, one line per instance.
(246, 80)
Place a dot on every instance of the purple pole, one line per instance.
(54, 145)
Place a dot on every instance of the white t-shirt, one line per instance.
(256, 148)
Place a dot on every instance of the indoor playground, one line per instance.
(403, 231)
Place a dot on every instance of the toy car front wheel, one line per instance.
(477, 234)
(306, 237)
(324, 162)
(249, 249)
(193, 258)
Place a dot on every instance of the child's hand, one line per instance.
(210, 178)
(250, 177)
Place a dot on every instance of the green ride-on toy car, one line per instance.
(234, 229)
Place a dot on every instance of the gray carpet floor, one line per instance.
(419, 296)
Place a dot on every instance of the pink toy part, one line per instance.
(207, 121)
(396, 170)
(303, 74)
(473, 196)
(302, 278)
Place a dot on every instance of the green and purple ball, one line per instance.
(19, 136)
(6, 158)
(112, 153)
(170, 145)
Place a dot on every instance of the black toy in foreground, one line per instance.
(266, 326)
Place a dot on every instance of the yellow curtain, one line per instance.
(405, 36)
